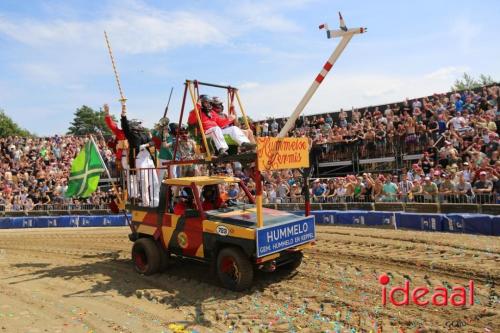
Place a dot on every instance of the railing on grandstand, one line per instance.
(346, 151)
(389, 155)
(416, 198)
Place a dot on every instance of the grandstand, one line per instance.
(385, 153)
(34, 174)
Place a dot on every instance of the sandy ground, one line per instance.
(82, 280)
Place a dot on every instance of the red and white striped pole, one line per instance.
(346, 35)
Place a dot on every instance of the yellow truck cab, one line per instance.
(196, 223)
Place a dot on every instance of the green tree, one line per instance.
(9, 128)
(88, 121)
(468, 82)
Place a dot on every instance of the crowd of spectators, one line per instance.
(456, 133)
(34, 173)
(464, 118)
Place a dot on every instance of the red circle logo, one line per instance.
(383, 279)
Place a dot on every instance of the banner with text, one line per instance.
(278, 237)
(282, 153)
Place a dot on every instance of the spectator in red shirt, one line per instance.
(211, 199)
(121, 146)
(186, 202)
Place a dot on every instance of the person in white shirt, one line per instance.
(457, 122)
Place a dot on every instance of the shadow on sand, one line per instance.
(184, 283)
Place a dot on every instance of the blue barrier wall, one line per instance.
(460, 223)
(495, 225)
(428, 222)
(62, 221)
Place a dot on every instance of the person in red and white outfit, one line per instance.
(216, 126)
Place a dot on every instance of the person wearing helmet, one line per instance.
(218, 107)
(216, 126)
(209, 125)
(163, 143)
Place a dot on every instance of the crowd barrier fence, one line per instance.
(458, 223)
(63, 221)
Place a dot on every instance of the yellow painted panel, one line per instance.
(168, 231)
(167, 235)
(234, 231)
(146, 229)
(199, 252)
(138, 215)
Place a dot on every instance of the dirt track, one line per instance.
(69, 280)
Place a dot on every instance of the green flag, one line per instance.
(85, 172)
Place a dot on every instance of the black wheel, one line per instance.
(146, 256)
(294, 263)
(234, 269)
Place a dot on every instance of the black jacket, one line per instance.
(135, 140)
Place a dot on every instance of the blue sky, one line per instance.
(53, 57)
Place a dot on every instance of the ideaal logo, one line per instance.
(438, 297)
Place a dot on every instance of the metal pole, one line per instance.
(177, 134)
(191, 92)
(314, 86)
(100, 157)
(258, 198)
(242, 110)
(211, 85)
(168, 103)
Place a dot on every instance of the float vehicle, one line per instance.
(235, 236)
(227, 237)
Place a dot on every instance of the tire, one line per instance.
(234, 269)
(295, 263)
(146, 256)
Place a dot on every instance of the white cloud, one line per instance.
(132, 32)
(137, 28)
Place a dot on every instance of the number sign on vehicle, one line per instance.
(279, 237)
